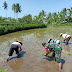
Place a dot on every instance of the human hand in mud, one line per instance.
(64, 39)
(44, 54)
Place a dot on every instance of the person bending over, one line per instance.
(66, 37)
(56, 49)
(15, 47)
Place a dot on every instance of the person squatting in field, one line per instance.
(66, 37)
(56, 49)
(15, 47)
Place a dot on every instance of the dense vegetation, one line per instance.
(4, 29)
(8, 24)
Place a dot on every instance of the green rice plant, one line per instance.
(4, 70)
(70, 54)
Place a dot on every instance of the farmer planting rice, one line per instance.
(15, 46)
(56, 49)
(66, 38)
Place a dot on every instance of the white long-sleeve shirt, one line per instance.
(14, 44)
(65, 36)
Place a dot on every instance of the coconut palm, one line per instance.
(43, 13)
(5, 7)
(16, 8)
(13, 8)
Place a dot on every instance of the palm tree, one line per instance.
(43, 13)
(70, 11)
(49, 15)
(5, 7)
(16, 8)
(13, 8)
(54, 17)
(64, 13)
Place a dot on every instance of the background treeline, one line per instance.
(65, 15)
(8, 24)
(5, 29)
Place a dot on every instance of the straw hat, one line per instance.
(20, 42)
(49, 40)
(61, 34)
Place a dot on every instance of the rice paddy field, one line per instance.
(31, 59)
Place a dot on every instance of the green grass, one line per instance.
(4, 70)
(4, 29)
(66, 24)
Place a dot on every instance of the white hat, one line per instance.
(58, 42)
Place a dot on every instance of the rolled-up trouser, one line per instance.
(13, 47)
(67, 40)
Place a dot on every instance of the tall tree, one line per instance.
(5, 7)
(27, 19)
(41, 15)
(49, 15)
(64, 12)
(35, 20)
(54, 18)
(13, 8)
(70, 14)
(16, 8)
(70, 11)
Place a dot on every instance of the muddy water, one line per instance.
(31, 59)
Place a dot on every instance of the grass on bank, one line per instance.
(5, 29)
(65, 24)
(13, 27)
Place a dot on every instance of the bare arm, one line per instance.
(20, 47)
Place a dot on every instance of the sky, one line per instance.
(34, 7)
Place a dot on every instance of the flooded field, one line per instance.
(31, 59)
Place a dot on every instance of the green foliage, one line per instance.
(26, 19)
(70, 54)
(4, 70)
(43, 54)
(16, 8)
(65, 15)
(5, 5)
(4, 29)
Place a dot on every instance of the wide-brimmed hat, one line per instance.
(61, 34)
(49, 40)
(20, 42)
